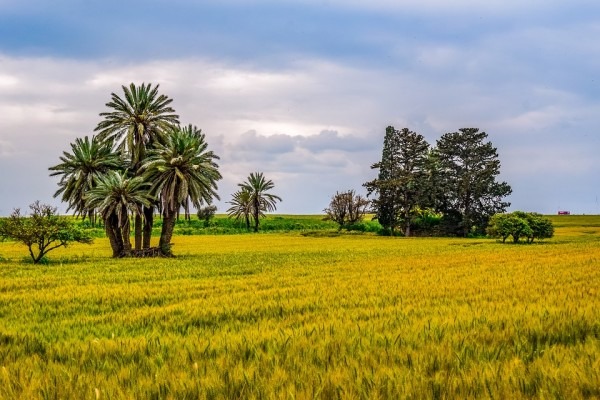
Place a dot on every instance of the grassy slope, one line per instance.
(283, 315)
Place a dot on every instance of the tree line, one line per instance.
(141, 161)
(449, 189)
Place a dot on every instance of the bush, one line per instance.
(347, 209)
(426, 221)
(206, 214)
(519, 224)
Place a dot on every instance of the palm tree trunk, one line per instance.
(126, 233)
(148, 221)
(167, 233)
(138, 231)
(114, 235)
(256, 214)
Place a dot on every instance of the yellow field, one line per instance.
(287, 316)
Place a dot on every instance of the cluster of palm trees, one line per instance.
(141, 160)
(251, 201)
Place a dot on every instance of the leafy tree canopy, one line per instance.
(519, 224)
(43, 231)
(401, 186)
(467, 166)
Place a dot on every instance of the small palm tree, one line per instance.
(79, 170)
(135, 124)
(181, 170)
(257, 186)
(241, 206)
(115, 196)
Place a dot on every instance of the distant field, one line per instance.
(290, 316)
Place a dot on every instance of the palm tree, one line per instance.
(78, 171)
(241, 206)
(115, 196)
(136, 124)
(257, 186)
(181, 170)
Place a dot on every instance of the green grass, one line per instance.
(287, 315)
(221, 224)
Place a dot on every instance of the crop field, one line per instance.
(293, 316)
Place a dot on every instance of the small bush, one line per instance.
(206, 214)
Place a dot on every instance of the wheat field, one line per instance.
(287, 316)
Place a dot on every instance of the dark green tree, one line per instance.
(402, 183)
(519, 224)
(181, 170)
(261, 200)
(505, 225)
(135, 124)
(541, 226)
(467, 167)
(79, 170)
(115, 196)
(43, 231)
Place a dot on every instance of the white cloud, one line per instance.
(315, 126)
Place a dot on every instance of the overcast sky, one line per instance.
(303, 90)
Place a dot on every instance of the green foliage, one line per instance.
(347, 208)
(541, 227)
(79, 170)
(256, 188)
(426, 220)
(43, 231)
(466, 168)
(402, 182)
(241, 207)
(181, 170)
(206, 214)
(115, 196)
(139, 143)
(138, 121)
(519, 224)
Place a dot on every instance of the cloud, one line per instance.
(7, 149)
(306, 99)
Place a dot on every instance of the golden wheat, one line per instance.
(286, 316)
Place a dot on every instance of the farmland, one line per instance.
(293, 315)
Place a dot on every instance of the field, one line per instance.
(293, 316)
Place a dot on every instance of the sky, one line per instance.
(302, 90)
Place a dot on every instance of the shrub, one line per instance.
(519, 224)
(347, 209)
(207, 213)
(44, 230)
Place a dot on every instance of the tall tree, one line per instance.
(115, 196)
(241, 206)
(136, 124)
(401, 184)
(468, 167)
(261, 201)
(181, 170)
(79, 170)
